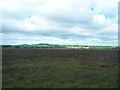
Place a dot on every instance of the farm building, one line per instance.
(78, 47)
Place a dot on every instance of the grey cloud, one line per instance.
(65, 19)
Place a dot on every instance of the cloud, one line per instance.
(59, 21)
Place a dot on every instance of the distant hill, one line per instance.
(40, 45)
(45, 45)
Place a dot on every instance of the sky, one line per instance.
(81, 22)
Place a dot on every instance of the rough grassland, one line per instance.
(59, 68)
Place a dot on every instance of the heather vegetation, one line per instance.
(59, 68)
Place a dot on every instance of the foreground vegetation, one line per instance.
(60, 68)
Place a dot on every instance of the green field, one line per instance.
(59, 68)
